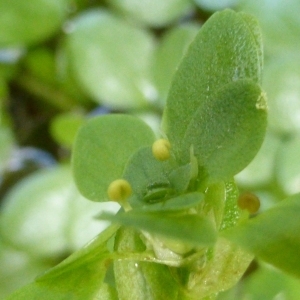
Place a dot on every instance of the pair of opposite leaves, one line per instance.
(215, 107)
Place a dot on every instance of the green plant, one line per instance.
(179, 231)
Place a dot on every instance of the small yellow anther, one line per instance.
(119, 190)
(161, 149)
(250, 202)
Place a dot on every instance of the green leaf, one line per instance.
(226, 50)
(102, 149)
(147, 280)
(178, 203)
(145, 173)
(111, 59)
(78, 277)
(24, 23)
(155, 12)
(189, 228)
(226, 131)
(273, 236)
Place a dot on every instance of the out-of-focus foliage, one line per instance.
(63, 61)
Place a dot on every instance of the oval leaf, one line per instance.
(227, 48)
(226, 131)
(101, 150)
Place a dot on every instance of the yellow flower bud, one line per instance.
(161, 149)
(250, 202)
(119, 190)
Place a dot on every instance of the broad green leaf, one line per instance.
(190, 228)
(287, 166)
(226, 131)
(24, 23)
(111, 60)
(226, 50)
(153, 12)
(273, 236)
(147, 280)
(102, 149)
(168, 54)
(79, 277)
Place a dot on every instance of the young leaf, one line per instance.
(181, 202)
(227, 131)
(227, 49)
(273, 236)
(190, 228)
(149, 176)
(79, 277)
(102, 148)
(147, 280)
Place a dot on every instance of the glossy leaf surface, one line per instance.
(273, 236)
(101, 150)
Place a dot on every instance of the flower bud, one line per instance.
(119, 190)
(161, 149)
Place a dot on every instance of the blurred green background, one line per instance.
(63, 61)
